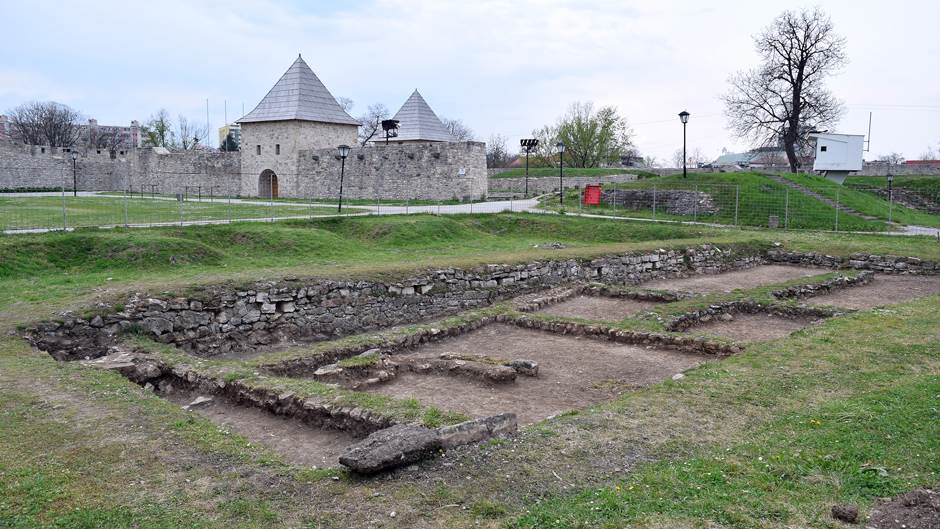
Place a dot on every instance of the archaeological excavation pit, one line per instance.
(306, 432)
(736, 280)
(573, 372)
(743, 327)
(599, 308)
(295, 441)
(883, 290)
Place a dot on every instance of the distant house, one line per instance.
(759, 158)
(922, 162)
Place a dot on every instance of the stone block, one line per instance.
(392, 447)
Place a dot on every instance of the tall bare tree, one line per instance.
(893, 158)
(693, 158)
(370, 123)
(457, 129)
(345, 103)
(785, 97)
(45, 123)
(497, 155)
(190, 134)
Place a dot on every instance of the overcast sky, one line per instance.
(503, 67)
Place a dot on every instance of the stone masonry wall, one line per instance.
(411, 171)
(172, 173)
(266, 313)
(672, 201)
(547, 184)
(428, 171)
(293, 137)
(885, 264)
(24, 166)
(882, 169)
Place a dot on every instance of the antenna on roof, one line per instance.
(868, 138)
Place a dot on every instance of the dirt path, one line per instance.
(739, 279)
(574, 372)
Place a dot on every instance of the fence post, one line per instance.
(786, 208)
(125, 209)
(837, 209)
(65, 217)
(510, 205)
(890, 204)
(407, 201)
(737, 202)
(654, 202)
(179, 200)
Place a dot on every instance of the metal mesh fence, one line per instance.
(770, 203)
(767, 204)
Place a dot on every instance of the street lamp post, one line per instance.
(74, 175)
(343, 153)
(684, 117)
(561, 172)
(528, 145)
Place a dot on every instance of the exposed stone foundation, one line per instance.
(700, 317)
(885, 264)
(672, 201)
(222, 320)
(826, 287)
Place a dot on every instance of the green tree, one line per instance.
(158, 131)
(592, 137)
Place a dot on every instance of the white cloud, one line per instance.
(502, 66)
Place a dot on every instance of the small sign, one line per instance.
(462, 171)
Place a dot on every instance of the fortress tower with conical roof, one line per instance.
(418, 123)
(298, 113)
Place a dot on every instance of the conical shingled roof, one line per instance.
(417, 122)
(299, 94)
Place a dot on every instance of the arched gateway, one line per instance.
(267, 184)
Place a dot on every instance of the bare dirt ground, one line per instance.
(918, 509)
(574, 372)
(739, 279)
(598, 308)
(884, 290)
(293, 440)
(753, 327)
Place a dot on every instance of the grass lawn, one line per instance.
(929, 185)
(844, 411)
(47, 212)
(869, 203)
(744, 199)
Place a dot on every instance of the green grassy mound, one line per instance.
(743, 199)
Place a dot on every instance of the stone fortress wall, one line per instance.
(30, 166)
(432, 171)
(411, 171)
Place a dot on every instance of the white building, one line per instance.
(837, 155)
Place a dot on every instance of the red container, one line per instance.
(592, 195)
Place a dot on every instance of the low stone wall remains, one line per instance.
(826, 287)
(706, 315)
(225, 319)
(548, 184)
(885, 264)
(672, 201)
